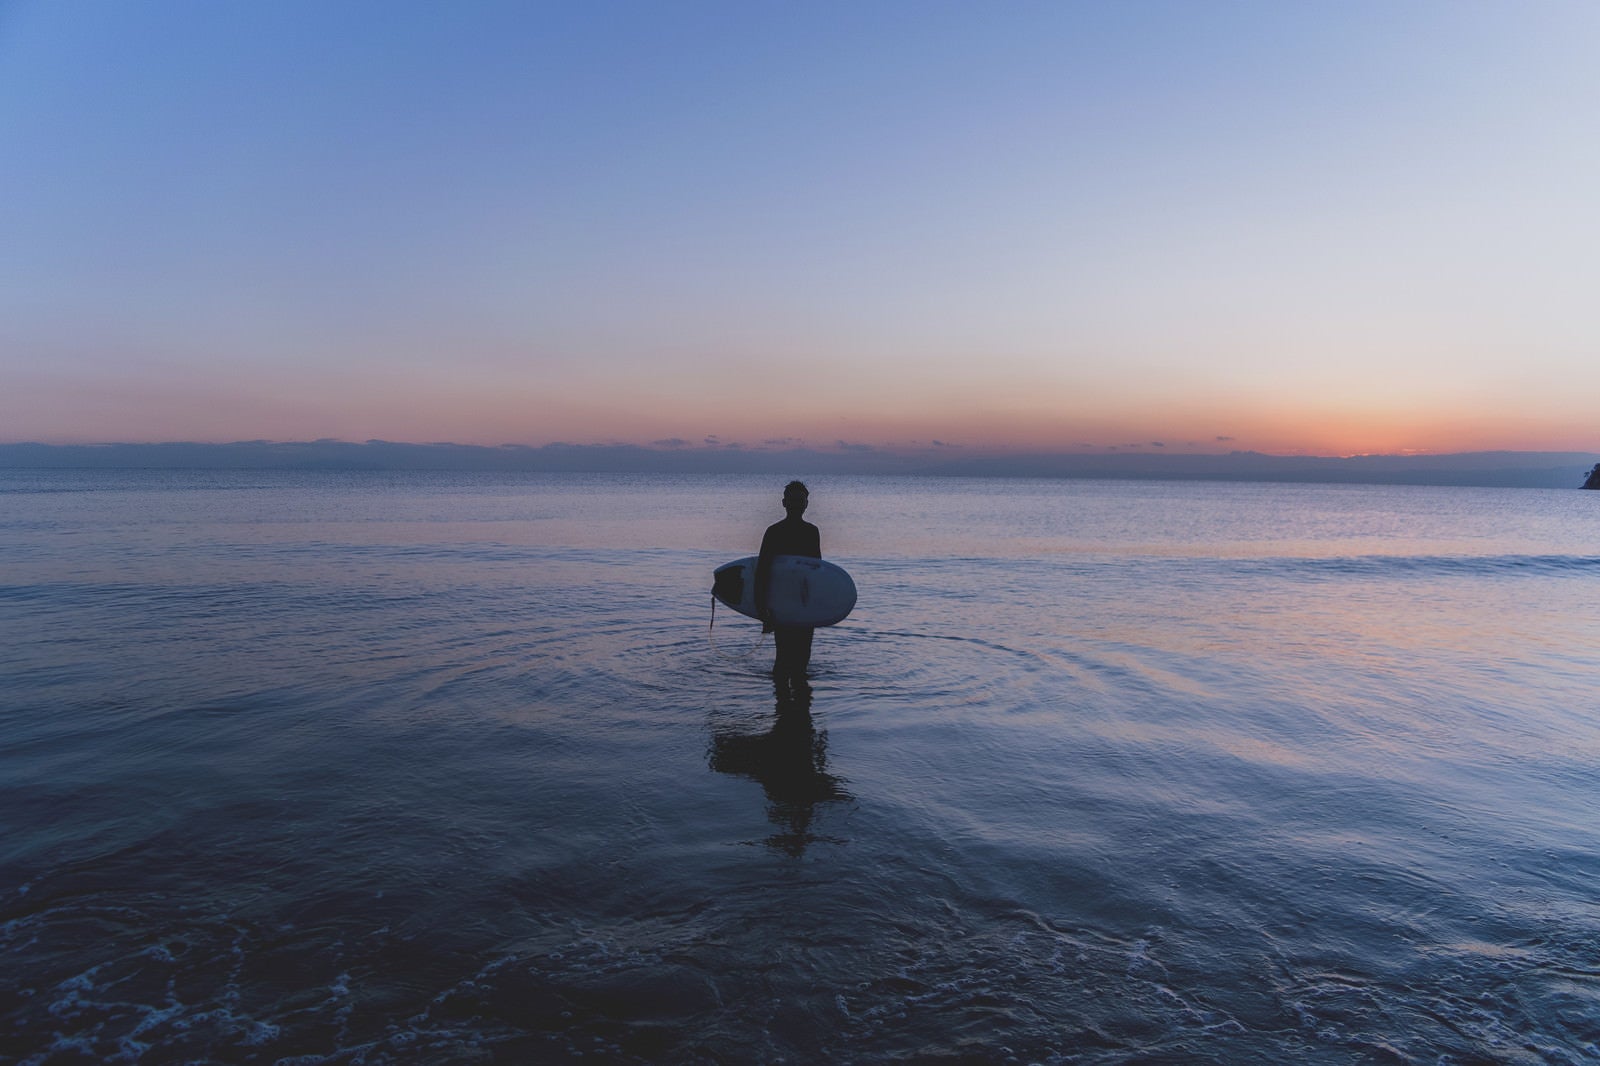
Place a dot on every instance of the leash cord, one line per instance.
(712, 638)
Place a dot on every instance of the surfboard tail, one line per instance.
(727, 584)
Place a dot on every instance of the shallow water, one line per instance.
(433, 768)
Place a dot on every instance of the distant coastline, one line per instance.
(1499, 469)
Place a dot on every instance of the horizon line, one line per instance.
(711, 444)
(1493, 468)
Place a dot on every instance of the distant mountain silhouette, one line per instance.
(1504, 468)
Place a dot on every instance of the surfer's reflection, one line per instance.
(789, 760)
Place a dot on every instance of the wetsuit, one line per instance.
(792, 536)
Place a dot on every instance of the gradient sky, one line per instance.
(1326, 227)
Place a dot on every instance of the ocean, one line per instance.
(337, 767)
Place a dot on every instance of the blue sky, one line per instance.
(1305, 227)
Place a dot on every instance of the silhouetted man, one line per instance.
(792, 536)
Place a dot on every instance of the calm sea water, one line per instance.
(365, 768)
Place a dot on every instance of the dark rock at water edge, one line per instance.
(1593, 481)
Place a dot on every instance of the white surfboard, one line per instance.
(804, 592)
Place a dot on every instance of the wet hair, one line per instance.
(796, 489)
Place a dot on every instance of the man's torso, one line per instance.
(792, 537)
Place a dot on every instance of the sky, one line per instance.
(1300, 228)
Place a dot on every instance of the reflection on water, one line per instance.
(789, 760)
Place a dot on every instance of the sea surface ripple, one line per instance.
(377, 768)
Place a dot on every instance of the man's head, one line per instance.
(795, 497)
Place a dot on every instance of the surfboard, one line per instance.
(804, 592)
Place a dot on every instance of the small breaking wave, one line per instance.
(1428, 566)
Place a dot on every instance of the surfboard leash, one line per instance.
(712, 638)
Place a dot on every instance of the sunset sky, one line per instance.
(1292, 227)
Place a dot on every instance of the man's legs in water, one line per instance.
(794, 651)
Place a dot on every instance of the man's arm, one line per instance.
(763, 577)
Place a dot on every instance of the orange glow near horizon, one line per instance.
(1010, 406)
(463, 413)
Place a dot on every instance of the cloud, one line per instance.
(1158, 444)
(847, 446)
(670, 442)
(946, 444)
(1223, 440)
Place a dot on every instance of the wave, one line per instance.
(1026, 572)
(1405, 566)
